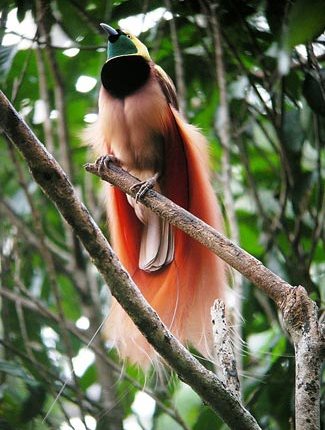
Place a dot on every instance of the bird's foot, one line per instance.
(103, 162)
(144, 186)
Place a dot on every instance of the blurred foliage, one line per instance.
(276, 96)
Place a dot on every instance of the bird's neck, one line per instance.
(123, 76)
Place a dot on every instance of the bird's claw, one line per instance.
(144, 187)
(103, 162)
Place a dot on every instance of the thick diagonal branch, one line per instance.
(253, 269)
(56, 185)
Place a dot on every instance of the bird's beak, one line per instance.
(109, 30)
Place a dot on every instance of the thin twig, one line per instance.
(43, 43)
(26, 232)
(44, 95)
(179, 66)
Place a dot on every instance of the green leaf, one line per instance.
(14, 369)
(23, 6)
(88, 378)
(208, 420)
(313, 90)
(7, 54)
(306, 21)
(164, 421)
(293, 133)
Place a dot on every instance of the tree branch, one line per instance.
(298, 309)
(225, 361)
(309, 345)
(56, 185)
(253, 269)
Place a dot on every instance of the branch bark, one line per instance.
(56, 185)
(225, 361)
(253, 269)
(299, 311)
(300, 315)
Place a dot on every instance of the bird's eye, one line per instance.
(128, 36)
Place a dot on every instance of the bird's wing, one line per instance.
(167, 86)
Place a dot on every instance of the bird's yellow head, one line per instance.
(121, 43)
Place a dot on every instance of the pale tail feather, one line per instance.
(157, 244)
(157, 239)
